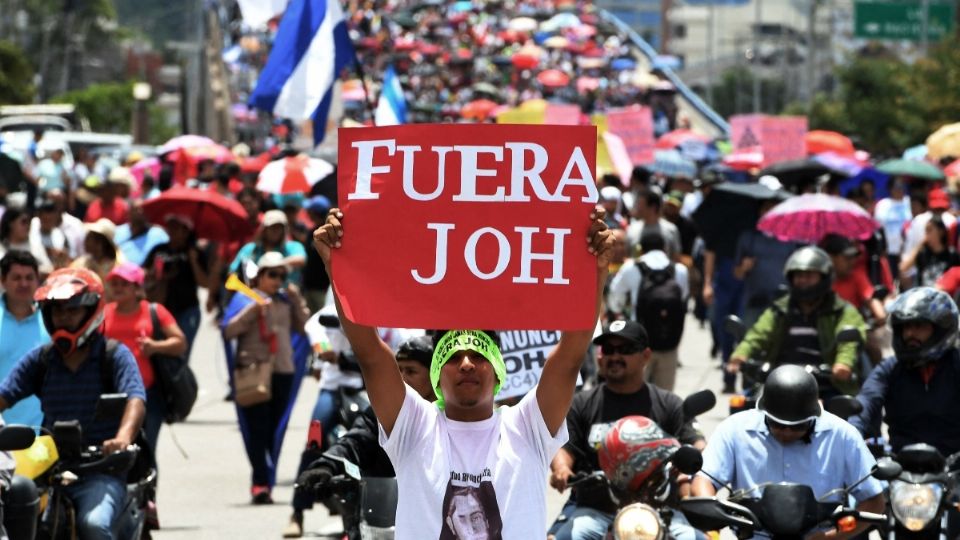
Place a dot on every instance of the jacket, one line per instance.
(285, 315)
(914, 410)
(360, 446)
(765, 340)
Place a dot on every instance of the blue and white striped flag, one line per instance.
(391, 108)
(311, 49)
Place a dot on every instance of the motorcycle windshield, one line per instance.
(787, 509)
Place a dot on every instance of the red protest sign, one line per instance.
(780, 137)
(635, 126)
(467, 226)
(561, 114)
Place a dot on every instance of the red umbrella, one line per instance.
(819, 141)
(512, 36)
(294, 174)
(553, 78)
(745, 159)
(214, 216)
(524, 61)
(677, 137)
(405, 45)
(429, 49)
(187, 160)
(478, 109)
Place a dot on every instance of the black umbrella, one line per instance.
(730, 209)
(796, 171)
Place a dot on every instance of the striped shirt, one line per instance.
(68, 395)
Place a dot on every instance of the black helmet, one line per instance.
(811, 259)
(790, 396)
(930, 305)
(418, 349)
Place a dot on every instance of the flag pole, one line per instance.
(358, 66)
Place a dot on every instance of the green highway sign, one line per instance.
(898, 20)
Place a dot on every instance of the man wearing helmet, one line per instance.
(69, 377)
(790, 438)
(916, 391)
(802, 326)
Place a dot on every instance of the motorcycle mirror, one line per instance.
(687, 459)
(698, 403)
(844, 406)
(886, 469)
(849, 334)
(15, 437)
(110, 407)
(329, 320)
(734, 326)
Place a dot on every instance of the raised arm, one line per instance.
(559, 378)
(380, 372)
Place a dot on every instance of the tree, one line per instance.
(16, 76)
(108, 106)
(734, 94)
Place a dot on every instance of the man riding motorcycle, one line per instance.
(70, 376)
(624, 357)
(789, 438)
(802, 326)
(360, 445)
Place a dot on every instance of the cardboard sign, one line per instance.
(780, 137)
(635, 126)
(524, 353)
(560, 114)
(619, 157)
(467, 226)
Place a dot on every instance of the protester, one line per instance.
(137, 238)
(933, 257)
(893, 213)
(937, 203)
(111, 200)
(101, 254)
(46, 227)
(647, 211)
(688, 230)
(273, 237)
(15, 235)
(21, 327)
(851, 282)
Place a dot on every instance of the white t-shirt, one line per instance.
(893, 215)
(471, 480)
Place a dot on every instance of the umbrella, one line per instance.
(677, 137)
(796, 171)
(844, 164)
(729, 209)
(478, 109)
(524, 61)
(559, 22)
(296, 174)
(808, 218)
(587, 84)
(584, 31)
(671, 164)
(623, 64)
(486, 88)
(911, 168)
(944, 142)
(556, 42)
(744, 159)
(184, 141)
(512, 36)
(522, 24)
(214, 216)
(553, 78)
(916, 152)
(819, 141)
(187, 160)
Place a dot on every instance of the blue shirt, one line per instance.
(253, 251)
(68, 395)
(761, 284)
(743, 453)
(136, 249)
(17, 338)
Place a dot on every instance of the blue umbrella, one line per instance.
(623, 64)
(671, 164)
(461, 6)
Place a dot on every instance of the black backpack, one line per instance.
(660, 307)
(177, 383)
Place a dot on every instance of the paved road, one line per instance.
(205, 494)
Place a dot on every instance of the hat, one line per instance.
(103, 227)
(631, 331)
(937, 199)
(120, 175)
(418, 349)
(133, 157)
(318, 204)
(610, 194)
(274, 217)
(834, 244)
(675, 198)
(179, 218)
(271, 259)
(128, 272)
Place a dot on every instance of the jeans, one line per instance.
(262, 421)
(99, 502)
(727, 293)
(189, 321)
(591, 524)
(156, 409)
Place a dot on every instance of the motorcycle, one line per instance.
(647, 513)
(755, 371)
(368, 504)
(921, 495)
(350, 401)
(783, 511)
(18, 511)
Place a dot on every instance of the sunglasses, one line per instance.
(272, 274)
(796, 428)
(625, 349)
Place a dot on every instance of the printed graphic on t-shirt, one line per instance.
(470, 510)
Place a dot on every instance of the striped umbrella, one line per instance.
(673, 165)
(808, 218)
(295, 174)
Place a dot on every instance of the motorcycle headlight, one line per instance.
(637, 522)
(914, 505)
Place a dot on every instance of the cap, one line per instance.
(274, 217)
(631, 331)
(120, 175)
(610, 193)
(103, 227)
(271, 259)
(318, 204)
(834, 244)
(418, 349)
(181, 219)
(128, 272)
(937, 199)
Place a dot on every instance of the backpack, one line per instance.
(660, 307)
(177, 383)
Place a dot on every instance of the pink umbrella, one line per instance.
(553, 78)
(808, 218)
(587, 84)
(147, 165)
(295, 174)
(745, 159)
(185, 141)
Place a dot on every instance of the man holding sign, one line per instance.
(460, 464)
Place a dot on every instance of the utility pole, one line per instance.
(757, 26)
(812, 52)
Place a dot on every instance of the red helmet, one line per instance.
(633, 450)
(71, 287)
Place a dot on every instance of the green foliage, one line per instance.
(108, 106)
(734, 94)
(16, 76)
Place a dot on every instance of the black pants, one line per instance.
(262, 420)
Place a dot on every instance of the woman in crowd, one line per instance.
(101, 254)
(15, 234)
(933, 257)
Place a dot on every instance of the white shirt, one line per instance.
(893, 215)
(626, 283)
(470, 477)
